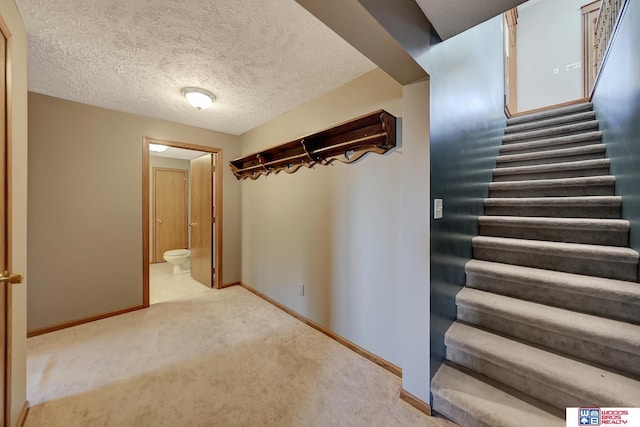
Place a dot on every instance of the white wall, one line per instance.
(337, 228)
(549, 37)
(17, 137)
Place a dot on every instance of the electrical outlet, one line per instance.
(301, 289)
(573, 66)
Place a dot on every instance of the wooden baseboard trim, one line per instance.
(396, 370)
(550, 107)
(228, 285)
(23, 414)
(41, 331)
(419, 404)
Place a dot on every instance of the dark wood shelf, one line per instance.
(346, 142)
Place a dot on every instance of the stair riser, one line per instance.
(472, 401)
(568, 191)
(593, 267)
(567, 342)
(551, 122)
(605, 212)
(553, 234)
(542, 115)
(555, 395)
(508, 149)
(550, 133)
(571, 173)
(556, 296)
(458, 415)
(502, 163)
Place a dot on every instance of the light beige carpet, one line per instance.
(202, 357)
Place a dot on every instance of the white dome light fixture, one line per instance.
(201, 99)
(157, 148)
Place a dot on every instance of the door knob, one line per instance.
(11, 278)
(192, 224)
(160, 221)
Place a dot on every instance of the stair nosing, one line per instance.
(448, 377)
(554, 182)
(607, 332)
(540, 365)
(560, 201)
(538, 155)
(574, 127)
(553, 167)
(558, 140)
(600, 224)
(576, 117)
(573, 250)
(553, 112)
(610, 289)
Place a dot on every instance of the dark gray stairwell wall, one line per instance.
(616, 101)
(467, 123)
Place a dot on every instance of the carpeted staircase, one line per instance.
(550, 314)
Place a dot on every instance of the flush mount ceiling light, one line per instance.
(200, 99)
(157, 148)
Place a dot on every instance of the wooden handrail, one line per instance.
(605, 26)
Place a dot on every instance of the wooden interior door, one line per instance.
(590, 13)
(202, 219)
(511, 61)
(4, 264)
(170, 196)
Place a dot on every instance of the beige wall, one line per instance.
(17, 134)
(336, 228)
(415, 283)
(85, 207)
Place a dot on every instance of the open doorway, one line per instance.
(547, 54)
(182, 214)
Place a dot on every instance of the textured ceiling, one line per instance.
(261, 58)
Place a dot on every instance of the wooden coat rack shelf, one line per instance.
(346, 142)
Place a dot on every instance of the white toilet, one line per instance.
(180, 259)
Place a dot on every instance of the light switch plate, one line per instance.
(437, 209)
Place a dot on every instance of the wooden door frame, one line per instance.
(6, 32)
(145, 208)
(510, 36)
(586, 65)
(154, 210)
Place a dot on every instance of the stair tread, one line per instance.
(481, 400)
(556, 130)
(612, 333)
(538, 155)
(555, 182)
(574, 250)
(540, 115)
(553, 222)
(553, 167)
(555, 201)
(548, 122)
(598, 287)
(568, 375)
(550, 142)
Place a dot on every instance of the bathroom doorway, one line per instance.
(178, 168)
